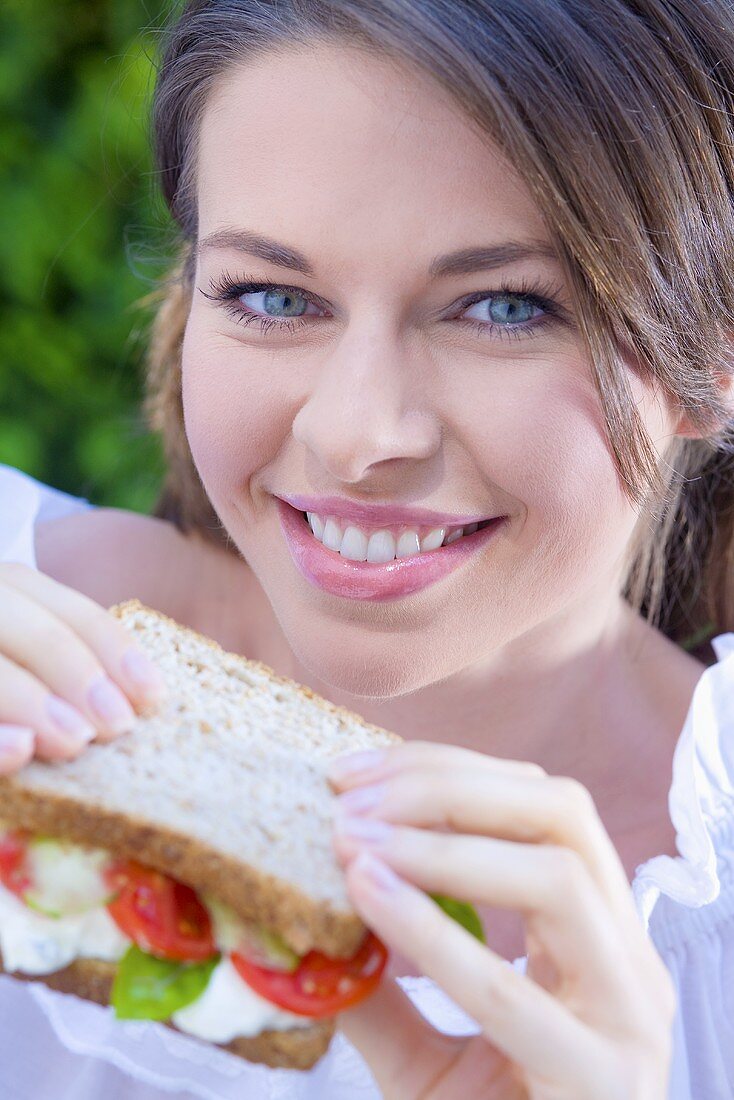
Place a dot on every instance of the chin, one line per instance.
(367, 668)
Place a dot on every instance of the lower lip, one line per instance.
(361, 580)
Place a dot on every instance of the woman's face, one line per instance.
(391, 387)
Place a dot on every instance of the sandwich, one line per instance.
(184, 872)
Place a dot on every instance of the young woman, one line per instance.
(443, 265)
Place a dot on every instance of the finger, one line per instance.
(61, 732)
(125, 662)
(482, 800)
(38, 640)
(403, 1051)
(17, 744)
(524, 1021)
(550, 886)
(355, 768)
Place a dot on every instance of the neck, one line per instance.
(594, 702)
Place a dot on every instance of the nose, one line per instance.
(365, 407)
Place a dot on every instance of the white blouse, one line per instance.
(54, 1045)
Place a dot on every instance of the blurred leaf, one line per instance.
(20, 446)
(76, 186)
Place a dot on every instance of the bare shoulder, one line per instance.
(111, 555)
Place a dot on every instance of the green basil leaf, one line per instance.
(148, 988)
(463, 913)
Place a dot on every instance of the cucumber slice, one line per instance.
(260, 945)
(274, 951)
(67, 878)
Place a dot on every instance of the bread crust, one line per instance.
(304, 923)
(298, 1048)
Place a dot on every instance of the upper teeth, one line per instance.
(359, 544)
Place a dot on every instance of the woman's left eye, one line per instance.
(507, 312)
(513, 308)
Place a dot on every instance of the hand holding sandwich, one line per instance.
(593, 1015)
(68, 671)
(182, 873)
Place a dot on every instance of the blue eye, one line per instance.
(509, 309)
(286, 303)
(514, 312)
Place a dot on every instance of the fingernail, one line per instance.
(377, 872)
(68, 720)
(361, 799)
(111, 705)
(13, 739)
(345, 767)
(143, 673)
(363, 828)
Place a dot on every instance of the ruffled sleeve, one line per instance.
(701, 798)
(686, 902)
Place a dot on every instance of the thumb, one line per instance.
(404, 1053)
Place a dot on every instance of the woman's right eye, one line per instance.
(289, 303)
(286, 303)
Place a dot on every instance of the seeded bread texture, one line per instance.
(224, 788)
(296, 1048)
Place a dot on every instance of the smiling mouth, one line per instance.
(388, 545)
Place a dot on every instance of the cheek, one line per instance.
(231, 414)
(549, 453)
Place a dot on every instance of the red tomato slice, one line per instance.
(13, 874)
(160, 915)
(320, 986)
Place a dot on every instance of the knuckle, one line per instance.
(574, 796)
(567, 870)
(524, 768)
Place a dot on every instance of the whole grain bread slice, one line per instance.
(292, 1048)
(224, 789)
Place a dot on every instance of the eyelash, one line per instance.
(226, 291)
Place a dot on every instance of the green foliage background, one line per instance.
(83, 237)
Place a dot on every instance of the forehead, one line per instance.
(326, 146)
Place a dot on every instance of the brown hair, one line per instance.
(619, 116)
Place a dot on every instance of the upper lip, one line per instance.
(378, 515)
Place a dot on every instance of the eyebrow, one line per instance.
(463, 262)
